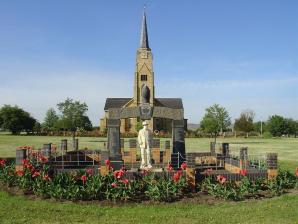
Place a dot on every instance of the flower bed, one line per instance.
(36, 178)
(221, 187)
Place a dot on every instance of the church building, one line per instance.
(143, 92)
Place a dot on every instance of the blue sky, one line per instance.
(240, 54)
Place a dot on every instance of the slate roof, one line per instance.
(174, 103)
(116, 102)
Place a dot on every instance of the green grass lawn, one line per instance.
(287, 148)
(18, 209)
(283, 209)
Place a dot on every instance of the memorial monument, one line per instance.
(145, 143)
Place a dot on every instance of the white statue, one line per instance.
(145, 140)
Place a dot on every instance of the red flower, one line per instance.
(221, 179)
(2, 162)
(108, 163)
(34, 154)
(118, 174)
(89, 171)
(32, 171)
(125, 181)
(169, 168)
(176, 176)
(20, 173)
(36, 174)
(84, 179)
(243, 172)
(114, 184)
(25, 162)
(296, 172)
(31, 167)
(43, 159)
(46, 177)
(183, 166)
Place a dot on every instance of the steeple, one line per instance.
(144, 75)
(144, 43)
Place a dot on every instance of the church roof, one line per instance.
(174, 103)
(144, 42)
(116, 102)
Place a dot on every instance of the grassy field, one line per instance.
(283, 209)
(287, 148)
(17, 209)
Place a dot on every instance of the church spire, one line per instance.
(144, 43)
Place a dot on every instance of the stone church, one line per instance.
(143, 92)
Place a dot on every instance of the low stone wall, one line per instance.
(192, 156)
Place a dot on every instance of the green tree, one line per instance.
(73, 116)
(1, 122)
(291, 127)
(50, 120)
(216, 120)
(245, 122)
(260, 127)
(37, 128)
(277, 125)
(15, 119)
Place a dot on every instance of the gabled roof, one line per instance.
(174, 103)
(115, 102)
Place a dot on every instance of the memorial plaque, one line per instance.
(165, 112)
(178, 154)
(114, 138)
(145, 112)
(114, 113)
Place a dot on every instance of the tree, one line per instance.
(50, 120)
(245, 122)
(216, 120)
(260, 127)
(86, 124)
(37, 128)
(291, 127)
(16, 119)
(277, 125)
(73, 116)
(1, 122)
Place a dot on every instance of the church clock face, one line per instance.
(144, 55)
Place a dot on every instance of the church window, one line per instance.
(143, 77)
